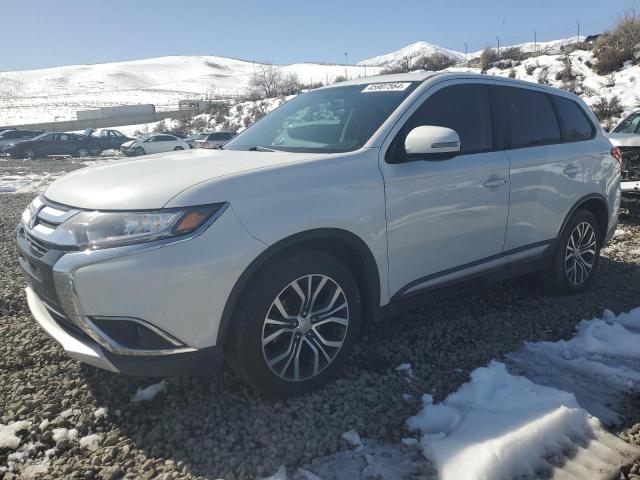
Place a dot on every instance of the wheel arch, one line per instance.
(344, 245)
(597, 205)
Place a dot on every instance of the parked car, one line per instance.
(153, 143)
(12, 135)
(626, 136)
(48, 144)
(344, 204)
(214, 140)
(109, 139)
(191, 139)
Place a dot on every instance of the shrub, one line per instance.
(160, 127)
(434, 62)
(606, 110)
(622, 44)
(543, 75)
(512, 53)
(530, 68)
(512, 73)
(488, 58)
(566, 74)
(339, 78)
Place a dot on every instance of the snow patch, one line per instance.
(64, 434)
(90, 442)
(352, 437)
(101, 412)
(8, 437)
(149, 393)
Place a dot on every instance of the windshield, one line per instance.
(337, 119)
(629, 124)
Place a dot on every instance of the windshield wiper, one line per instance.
(260, 148)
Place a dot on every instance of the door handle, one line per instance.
(495, 181)
(571, 170)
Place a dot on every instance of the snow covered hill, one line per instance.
(413, 51)
(56, 93)
(424, 48)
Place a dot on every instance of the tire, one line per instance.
(82, 153)
(570, 272)
(309, 348)
(177, 149)
(29, 153)
(139, 151)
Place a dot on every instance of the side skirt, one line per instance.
(404, 302)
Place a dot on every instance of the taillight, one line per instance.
(617, 154)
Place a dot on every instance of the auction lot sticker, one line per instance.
(386, 87)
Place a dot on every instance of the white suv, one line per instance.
(343, 204)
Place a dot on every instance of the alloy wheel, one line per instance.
(83, 152)
(580, 254)
(305, 327)
(29, 153)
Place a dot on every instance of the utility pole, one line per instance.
(365, 70)
(578, 37)
(346, 75)
(498, 38)
(535, 41)
(466, 57)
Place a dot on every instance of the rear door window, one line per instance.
(531, 118)
(575, 124)
(464, 108)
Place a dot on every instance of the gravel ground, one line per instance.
(217, 428)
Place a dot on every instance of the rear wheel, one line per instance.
(139, 151)
(82, 153)
(30, 153)
(576, 258)
(296, 324)
(178, 149)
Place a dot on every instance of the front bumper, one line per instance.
(174, 291)
(198, 362)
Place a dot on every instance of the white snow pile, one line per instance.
(352, 437)
(501, 425)
(149, 393)
(600, 365)
(29, 182)
(8, 437)
(91, 442)
(64, 434)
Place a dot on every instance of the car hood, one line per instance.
(152, 181)
(624, 139)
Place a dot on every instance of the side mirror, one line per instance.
(432, 142)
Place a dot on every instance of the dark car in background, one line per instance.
(49, 144)
(13, 135)
(109, 139)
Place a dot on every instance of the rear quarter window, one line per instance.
(575, 124)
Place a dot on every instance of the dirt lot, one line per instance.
(216, 427)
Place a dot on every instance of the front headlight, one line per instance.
(97, 229)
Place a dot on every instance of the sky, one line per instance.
(47, 33)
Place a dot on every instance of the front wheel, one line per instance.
(296, 324)
(177, 149)
(29, 153)
(576, 258)
(139, 151)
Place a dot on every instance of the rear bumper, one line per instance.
(198, 362)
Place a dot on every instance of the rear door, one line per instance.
(446, 219)
(546, 172)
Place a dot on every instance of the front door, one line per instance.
(447, 218)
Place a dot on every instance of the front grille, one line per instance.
(38, 248)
